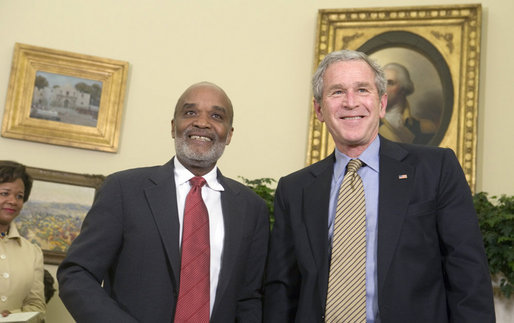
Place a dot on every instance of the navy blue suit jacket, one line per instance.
(431, 264)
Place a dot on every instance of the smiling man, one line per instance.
(378, 231)
(202, 126)
(173, 243)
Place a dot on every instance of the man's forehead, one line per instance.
(205, 93)
(389, 72)
(349, 74)
(198, 93)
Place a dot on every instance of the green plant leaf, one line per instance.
(263, 188)
(496, 220)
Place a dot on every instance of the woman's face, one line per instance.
(11, 201)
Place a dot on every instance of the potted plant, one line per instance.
(496, 220)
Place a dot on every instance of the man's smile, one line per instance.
(200, 138)
(352, 118)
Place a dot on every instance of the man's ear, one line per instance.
(318, 110)
(173, 128)
(383, 105)
(229, 136)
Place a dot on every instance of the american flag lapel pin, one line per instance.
(402, 176)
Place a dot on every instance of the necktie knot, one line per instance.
(354, 165)
(197, 181)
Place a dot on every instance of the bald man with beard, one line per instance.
(125, 266)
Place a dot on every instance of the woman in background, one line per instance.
(21, 262)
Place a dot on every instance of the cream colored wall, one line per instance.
(260, 52)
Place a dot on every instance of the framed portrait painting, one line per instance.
(53, 215)
(64, 98)
(431, 59)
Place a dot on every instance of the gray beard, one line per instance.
(197, 159)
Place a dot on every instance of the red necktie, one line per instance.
(194, 292)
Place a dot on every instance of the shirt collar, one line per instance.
(183, 175)
(13, 233)
(368, 157)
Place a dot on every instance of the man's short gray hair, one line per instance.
(343, 56)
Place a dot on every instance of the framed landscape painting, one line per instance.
(53, 215)
(63, 98)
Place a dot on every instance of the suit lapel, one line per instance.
(395, 185)
(316, 200)
(161, 196)
(233, 222)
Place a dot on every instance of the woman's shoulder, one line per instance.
(24, 243)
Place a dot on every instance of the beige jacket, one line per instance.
(21, 275)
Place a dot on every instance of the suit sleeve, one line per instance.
(249, 303)
(468, 284)
(89, 258)
(282, 276)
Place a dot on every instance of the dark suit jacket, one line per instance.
(431, 262)
(130, 241)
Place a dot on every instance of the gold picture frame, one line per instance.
(448, 37)
(63, 98)
(57, 205)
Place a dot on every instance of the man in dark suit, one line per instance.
(125, 266)
(424, 256)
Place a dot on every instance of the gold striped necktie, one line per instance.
(346, 297)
